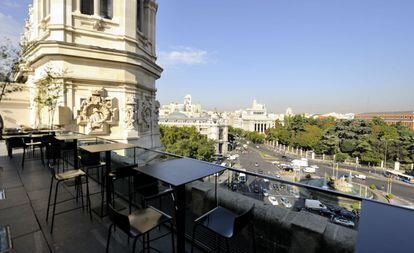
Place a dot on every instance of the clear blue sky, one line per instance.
(312, 55)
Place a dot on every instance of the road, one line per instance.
(254, 155)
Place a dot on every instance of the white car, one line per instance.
(273, 200)
(360, 176)
(314, 166)
(285, 202)
(309, 170)
(277, 175)
(265, 192)
(343, 222)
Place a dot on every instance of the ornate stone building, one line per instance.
(105, 52)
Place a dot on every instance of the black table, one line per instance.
(384, 228)
(107, 148)
(178, 173)
(74, 138)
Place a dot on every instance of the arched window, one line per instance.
(106, 8)
(87, 7)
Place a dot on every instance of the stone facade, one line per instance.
(107, 55)
(255, 118)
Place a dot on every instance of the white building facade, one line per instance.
(105, 51)
(187, 114)
(254, 119)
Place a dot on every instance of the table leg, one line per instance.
(180, 217)
(107, 178)
(75, 154)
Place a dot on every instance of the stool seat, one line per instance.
(219, 220)
(144, 220)
(69, 174)
(33, 144)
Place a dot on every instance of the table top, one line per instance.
(180, 171)
(67, 137)
(384, 228)
(23, 136)
(106, 147)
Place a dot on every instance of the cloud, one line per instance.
(10, 28)
(183, 56)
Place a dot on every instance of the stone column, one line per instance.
(78, 6)
(96, 7)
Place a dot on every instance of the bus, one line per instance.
(399, 176)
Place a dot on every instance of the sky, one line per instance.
(315, 56)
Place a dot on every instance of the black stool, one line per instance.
(140, 223)
(225, 224)
(64, 176)
(31, 144)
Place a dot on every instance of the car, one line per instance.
(284, 157)
(256, 189)
(260, 171)
(277, 175)
(265, 180)
(285, 202)
(275, 187)
(326, 212)
(265, 192)
(360, 176)
(347, 214)
(273, 200)
(315, 166)
(257, 147)
(256, 164)
(234, 187)
(343, 222)
(282, 186)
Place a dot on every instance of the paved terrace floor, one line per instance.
(24, 210)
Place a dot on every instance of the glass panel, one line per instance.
(87, 7)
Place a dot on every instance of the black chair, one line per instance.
(64, 176)
(140, 223)
(147, 188)
(225, 224)
(30, 143)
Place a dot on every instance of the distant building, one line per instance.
(406, 118)
(254, 118)
(340, 116)
(210, 124)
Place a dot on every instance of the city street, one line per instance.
(264, 156)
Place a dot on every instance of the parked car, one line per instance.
(326, 212)
(277, 175)
(360, 176)
(256, 189)
(234, 187)
(265, 192)
(343, 222)
(285, 202)
(347, 214)
(256, 164)
(273, 200)
(275, 187)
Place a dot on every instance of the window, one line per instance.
(87, 7)
(106, 8)
(140, 14)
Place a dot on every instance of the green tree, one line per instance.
(255, 137)
(187, 141)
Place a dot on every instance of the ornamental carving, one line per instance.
(97, 113)
(130, 112)
(145, 113)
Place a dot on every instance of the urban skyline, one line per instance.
(351, 50)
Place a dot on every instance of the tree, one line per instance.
(187, 141)
(255, 137)
(48, 91)
(9, 61)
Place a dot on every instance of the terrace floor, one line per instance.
(24, 210)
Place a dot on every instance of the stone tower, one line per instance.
(105, 52)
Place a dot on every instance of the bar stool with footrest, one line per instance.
(225, 224)
(75, 174)
(140, 223)
(31, 143)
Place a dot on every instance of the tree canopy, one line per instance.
(187, 141)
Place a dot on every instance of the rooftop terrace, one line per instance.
(277, 228)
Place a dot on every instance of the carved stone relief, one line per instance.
(97, 113)
(130, 106)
